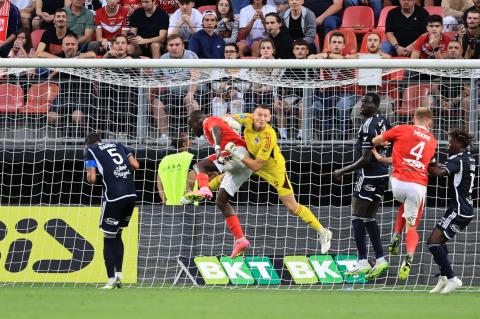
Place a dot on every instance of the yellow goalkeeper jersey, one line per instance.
(263, 145)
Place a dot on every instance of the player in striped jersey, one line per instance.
(460, 168)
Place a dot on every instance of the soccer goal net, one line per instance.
(49, 213)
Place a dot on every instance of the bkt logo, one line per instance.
(19, 250)
(323, 269)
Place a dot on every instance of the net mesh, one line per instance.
(46, 113)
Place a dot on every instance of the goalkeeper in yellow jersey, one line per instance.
(269, 163)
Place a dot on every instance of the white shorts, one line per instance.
(412, 195)
(236, 173)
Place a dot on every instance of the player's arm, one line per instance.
(134, 164)
(436, 170)
(439, 170)
(253, 164)
(217, 140)
(90, 166)
(161, 192)
(361, 163)
(380, 158)
(91, 175)
(378, 140)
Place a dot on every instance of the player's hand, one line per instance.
(337, 174)
(230, 147)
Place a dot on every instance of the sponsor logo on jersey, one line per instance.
(369, 188)
(256, 140)
(455, 228)
(111, 221)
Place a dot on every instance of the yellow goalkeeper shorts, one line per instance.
(278, 179)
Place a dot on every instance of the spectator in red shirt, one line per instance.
(433, 44)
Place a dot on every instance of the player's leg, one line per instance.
(202, 169)
(381, 264)
(399, 194)
(109, 225)
(359, 211)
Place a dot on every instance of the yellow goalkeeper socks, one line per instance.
(215, 182)
(307, 216)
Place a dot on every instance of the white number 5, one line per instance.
(117, 158)
(417, 150)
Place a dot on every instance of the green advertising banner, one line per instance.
(300, 270)
(326, 269)
(263, 271)
(237, 270)
(211, 270)
(345, 263)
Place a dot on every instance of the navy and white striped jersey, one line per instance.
(370, 128)
(111, 160)
(461, 170)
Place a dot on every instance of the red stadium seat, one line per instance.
(363, 46)
(202, 9)
(36, 37)
(435, 10)
(11, 98)
(359, 19)
(451, 34)
(40, 98)
(383, 17)
(350, 42)
(412, 98)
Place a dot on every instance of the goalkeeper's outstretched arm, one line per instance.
(253, 164)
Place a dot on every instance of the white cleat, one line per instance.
(442, 282)
(360, 267)
(452, 284)
(325, 240)
(185, 201)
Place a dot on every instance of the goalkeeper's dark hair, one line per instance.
(462, 136)
(375, 98)
(92, 138)
(263, 106)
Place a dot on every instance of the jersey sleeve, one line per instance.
(268, 140)
(89, 159)
(243, 118)
(367, 137)
(452, 165)
(393, 133)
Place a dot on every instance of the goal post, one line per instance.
(49, 214)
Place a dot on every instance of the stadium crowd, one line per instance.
(263, 29)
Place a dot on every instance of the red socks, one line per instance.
(412, 241)
(202, 179)
(234, 224)
(400, 222)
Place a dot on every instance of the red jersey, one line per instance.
(425, 49)
(111, 25)
(228, 134)
(169, 6)
(413, 149)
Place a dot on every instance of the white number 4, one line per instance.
(117, 158)
(417, 150)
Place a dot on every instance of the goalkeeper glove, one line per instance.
(232, 149)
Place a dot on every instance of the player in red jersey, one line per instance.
(413, 149)
(218, 134)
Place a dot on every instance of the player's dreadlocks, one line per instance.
(462, 136)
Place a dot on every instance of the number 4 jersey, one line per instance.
(111, 160)
(413, 149)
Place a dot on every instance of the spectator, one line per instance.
(80, 21)
(9, 18)
(186, 20)
(51, 41)
(26, 8)
(45, 11)
(74, 92)
(374, 41)
(205, 42)
(470, 37)
(229, 92)
(22, 47)
(453, 13)
(238, 5)
(342, 98)
(169, 6)
(110, 21)
(252, 26)
(131, 6)
(476, 5)
(328, 13)
(177, 96)
(290, 99)
(433, 44)
(119, 48)
(262, 92)
(454, 50)
(149, 26)
(404, 25)
(227, 26)
(280, 36)
(301, 23)
(281, 5)
(376, 5)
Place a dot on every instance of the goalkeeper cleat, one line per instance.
(361, 267)
(118, 283)
(442, 282)
(239, 248)
(377, 270)
(394, 246)
(405, 268)
(108, 287)
(452, 284)
(325, 240)
(185, 201)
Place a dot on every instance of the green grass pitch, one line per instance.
(133, 303)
